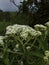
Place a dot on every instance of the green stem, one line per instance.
(9, 51)
(28, 41)
(33, 42)
(6, 60)
(20, 42)
(12, 61)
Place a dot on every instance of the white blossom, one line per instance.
(47, 53)
(1, 40)
(24, 35)
(45, 58)
(21, 63)
(13, 29)
(17, 45)
(35, 33)
(28, 29)
(23, 30)
(47, 24)
(28, 47)
(40, 27)
(10, 31)
(9, 27)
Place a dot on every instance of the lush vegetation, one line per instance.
(23, 45)
(7, 18)
(38, 10)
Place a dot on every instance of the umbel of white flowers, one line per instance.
(22, 30)
(46, 57)
(40, 27)
(47, 24)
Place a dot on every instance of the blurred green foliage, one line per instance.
(9, 18)
(13, 17)
(39, 16)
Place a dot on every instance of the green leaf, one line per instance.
(37, 53)
(43, 43)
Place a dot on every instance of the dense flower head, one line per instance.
(24, 35)
(46, 57)
(47, 24)
(15, 28)
(40, 27)
(10, 30)
(23, 31)
(35, 33)
(17, 45)
(47, 53)
(28, 47)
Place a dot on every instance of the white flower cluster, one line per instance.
(40, 27)
(23, 30)
(28, 47)
(47, 24)
(46, 57)
(1, 40)
(17, 45)
(13, 29)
